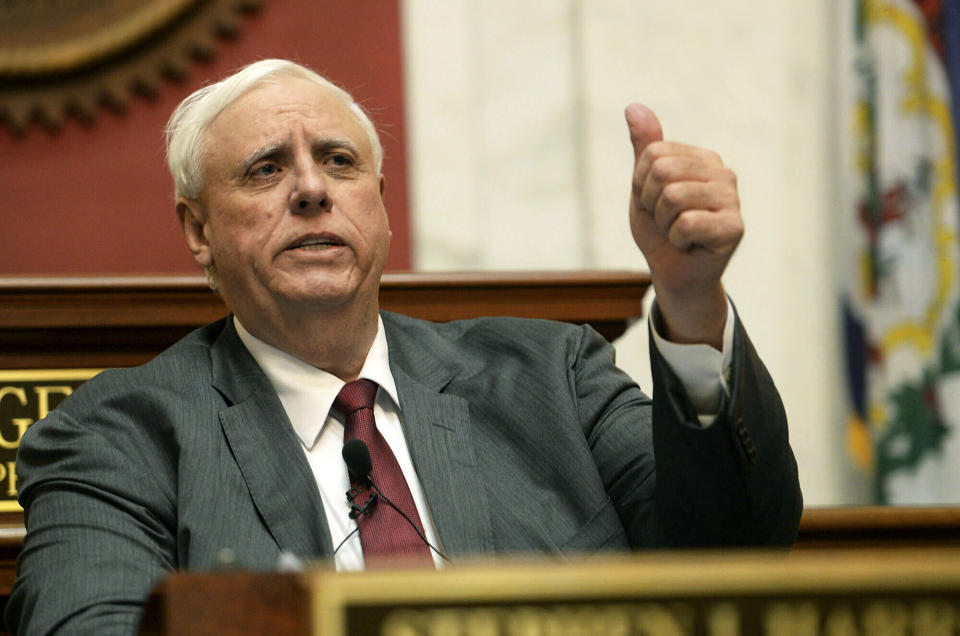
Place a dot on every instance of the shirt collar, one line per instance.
(307, 392)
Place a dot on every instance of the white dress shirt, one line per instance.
(307, 394)
(703, 371)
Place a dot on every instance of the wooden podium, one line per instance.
(124, 321)
(669, 594)
(55, 324)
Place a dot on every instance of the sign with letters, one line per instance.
(666, 594)
(25, 397)
(852, 592)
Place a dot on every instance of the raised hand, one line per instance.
(685, 218)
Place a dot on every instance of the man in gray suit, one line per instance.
(512, 435)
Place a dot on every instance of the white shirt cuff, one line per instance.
(702, 370)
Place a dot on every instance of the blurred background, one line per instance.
(507, 149)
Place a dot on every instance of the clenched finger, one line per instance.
(680, 196)
(674, 168)
(716, 231)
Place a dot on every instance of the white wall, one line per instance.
(520, 160)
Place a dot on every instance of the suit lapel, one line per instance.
(437, 428)
(267, 451)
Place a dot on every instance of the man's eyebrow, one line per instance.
(327, 144)
(258, 154)
(333, 143)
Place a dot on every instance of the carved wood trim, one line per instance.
(879, 526)
(97, 322)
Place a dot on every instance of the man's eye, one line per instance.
(265, 170)
(341, 160)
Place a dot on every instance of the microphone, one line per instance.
(356, 455)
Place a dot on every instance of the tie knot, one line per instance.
(356, 395)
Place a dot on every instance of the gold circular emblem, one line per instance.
(62, 57)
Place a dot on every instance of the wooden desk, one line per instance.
(63, 323)
(874, 531)
(824, 592)
(112, 322)
(879, 527)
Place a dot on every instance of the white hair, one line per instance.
(188, 123)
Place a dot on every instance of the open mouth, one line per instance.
(317, 243)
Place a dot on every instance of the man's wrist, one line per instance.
(698, 322)
(701, 369)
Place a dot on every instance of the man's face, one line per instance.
(291, 215)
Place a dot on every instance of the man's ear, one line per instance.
(193, 220)
(383, 186)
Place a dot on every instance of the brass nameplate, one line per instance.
(857, 592)
(26, 397)
(904, 614)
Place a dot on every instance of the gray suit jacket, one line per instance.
(524, 434)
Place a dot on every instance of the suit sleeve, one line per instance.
(99, 518)
(675, 483)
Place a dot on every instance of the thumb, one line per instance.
(644, 127)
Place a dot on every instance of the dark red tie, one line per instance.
(387, 538)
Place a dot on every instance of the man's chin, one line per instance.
(326, 294)
(304, 294)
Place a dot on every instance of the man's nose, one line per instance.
(311, 192)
